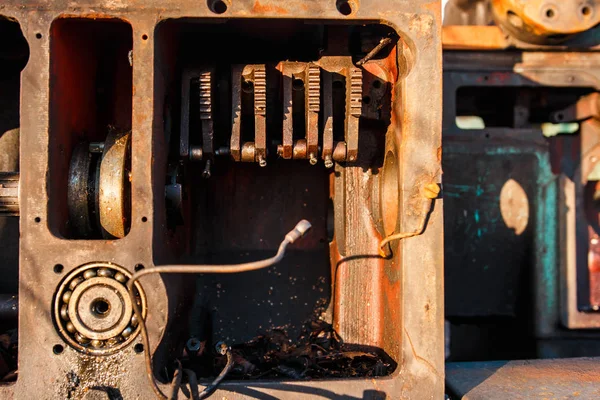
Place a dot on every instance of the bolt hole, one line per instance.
(586, 11)
(144, 219)
(38, 35)
(247, 86)
(217, 6)
(346, 7)
(37, 220)
(138, 267)
(58, 268)
(100, 307)
(144, 37)
(57, 349)
(377, 84)
(366, 100)
(297, 84)
(550, 13)
(138, 348)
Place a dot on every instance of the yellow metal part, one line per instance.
(546, 20)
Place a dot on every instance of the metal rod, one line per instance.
(382, 43)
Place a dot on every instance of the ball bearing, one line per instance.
(93, 310)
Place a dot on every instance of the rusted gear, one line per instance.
(93, 310)
(545, 21)
(114, 190)
(78, 191)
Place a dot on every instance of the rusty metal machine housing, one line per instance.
(520, 140)
(187, 133)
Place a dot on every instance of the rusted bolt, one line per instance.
(328, 162)
(431, 190)
(207, 173)
(195, 153)
(312, 159)
(261, 161)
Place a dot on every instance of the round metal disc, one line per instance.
(115, 187)
(77, 191)
(92, 324)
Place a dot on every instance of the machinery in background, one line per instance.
(521, 219)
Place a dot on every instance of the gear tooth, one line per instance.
(314, 88)
(355, 92)
(260, 90)
(205, 93)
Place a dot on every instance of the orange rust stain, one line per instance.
(435, 9)
(267, 8)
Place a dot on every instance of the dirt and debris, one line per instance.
(318, 352)
(8, 356)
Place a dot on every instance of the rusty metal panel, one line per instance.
(532, 379)
(69, 94)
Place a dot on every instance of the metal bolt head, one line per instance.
(328, 162)
(193, 345)
(221, 348)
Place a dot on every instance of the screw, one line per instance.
(206, 173)
(261, 161)
(328, 162)
(312, 159)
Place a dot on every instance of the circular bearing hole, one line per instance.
(138, 348)
(346, 7)
(144, 219)
(37, 220)
(298, 84)
(38, 35)
(58, 348)
(247, 86)
(58, 268)
(144, 37)
(586, 11)
(100, 307)
(376, 84)
(366, 100)
(550, 13)
(217, 6)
